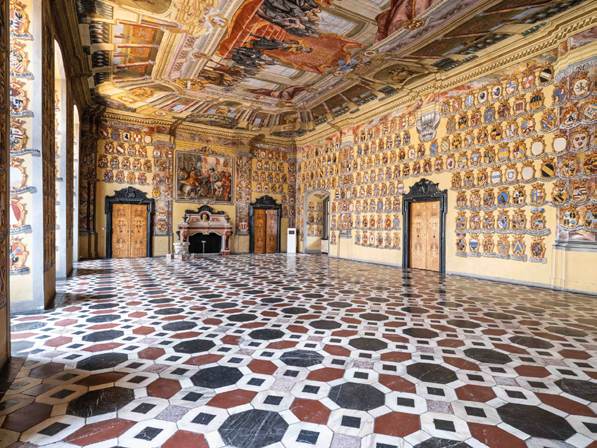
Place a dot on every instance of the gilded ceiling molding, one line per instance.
(551, 37)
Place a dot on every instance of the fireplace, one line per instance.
(203, 224)
(213, 243)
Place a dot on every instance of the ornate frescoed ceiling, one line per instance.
(284, 67)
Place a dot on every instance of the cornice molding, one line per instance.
(551, 36)
(142, 120)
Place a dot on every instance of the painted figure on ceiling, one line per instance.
(400, 13)
(287, 94)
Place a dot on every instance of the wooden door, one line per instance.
(272, 232)
(138, 231)
(121, 220)
(129, 230)
(418, 239)
(425, 235)
(433, 237)
(259, 232)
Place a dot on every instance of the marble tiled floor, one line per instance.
(299, 351)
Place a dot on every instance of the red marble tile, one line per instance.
(186, 335)
(495, 437)
(326, 374)
(281, 345)
(397, 424)
(186, 439)
(144, 330)
(231, 399)
(566, 405)
(574, 354)
(102, 347)
(254, 325)
(454, 343)
(163, 388)
(203, 359)
(261, 366)
(100, 431)
(532, 371)
(310, 411)
(230, 339)
(479, 394)
(66, 322)
(58, 342)
(336, 350)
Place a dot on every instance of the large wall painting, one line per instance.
(202, 176)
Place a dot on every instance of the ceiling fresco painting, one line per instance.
(284, 67)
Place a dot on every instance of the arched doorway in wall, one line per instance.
(316, 222)
(63, 248)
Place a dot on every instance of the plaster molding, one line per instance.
(553, 34)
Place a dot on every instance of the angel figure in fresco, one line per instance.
(347, 66)
(400, 13)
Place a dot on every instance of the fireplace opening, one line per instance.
(213, 243)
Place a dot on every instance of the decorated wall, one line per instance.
(514, 149)
(41, 154)
(184, 172)
(5, 224)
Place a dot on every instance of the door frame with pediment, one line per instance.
(264, 203)
(129, 195)
(424, 191)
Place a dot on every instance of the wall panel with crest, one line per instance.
(515, 148)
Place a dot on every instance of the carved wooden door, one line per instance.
(259, 232)
(425, 235)
(433, 236)
(138, 231)
(129, 230)
(121, 220)
(418, 218)
(272, 232)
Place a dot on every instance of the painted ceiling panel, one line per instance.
(245, 64)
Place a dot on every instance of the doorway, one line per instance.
(129, 231)
(129, 218)
(316, 222)
(265, 224)
(424, 217)
(424, 235)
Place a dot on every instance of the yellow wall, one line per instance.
(570, 270)
(260, 180)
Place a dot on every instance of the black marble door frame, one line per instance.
(264, 203)
(424, 191)
(128, 195)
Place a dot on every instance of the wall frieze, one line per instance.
(552, 36)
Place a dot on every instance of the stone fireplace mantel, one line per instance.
(202, 221)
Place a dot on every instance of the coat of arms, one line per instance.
(503, 245)
(538, 249)
(537, 219)
(559, 193)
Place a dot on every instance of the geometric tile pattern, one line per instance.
(297, 351)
